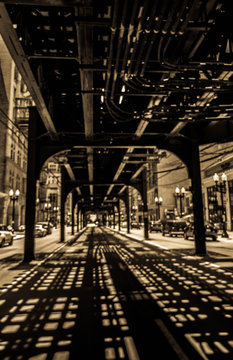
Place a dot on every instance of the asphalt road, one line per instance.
(12, 256)
(109, 297)
(222, 247)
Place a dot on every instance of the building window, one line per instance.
(12, 155)
(52, 166)
(19, 158)
(24, 164)
(230, 185)
(15, 74)
(17, 182)
(215, 211)
(23, 185)
(11, 179)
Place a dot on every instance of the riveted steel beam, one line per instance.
(15, 48)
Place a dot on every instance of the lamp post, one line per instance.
(134, 212)
(47, 207)
(158, 202)
(13, 197)
(55, 211)
(37, 209)
(180, 195)
(221, 187)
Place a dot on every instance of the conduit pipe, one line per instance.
(138, 35)
(129, 36)
(119, 47)
(113, 34)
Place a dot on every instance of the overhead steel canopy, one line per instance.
(114, 81)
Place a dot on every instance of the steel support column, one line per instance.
(119, 215)
(145, 206)
(77, 218)
(127, 209)
(72, 213)
(114, 219)
(29, 242)
(62, 214)
(199, 228)
(82, 221)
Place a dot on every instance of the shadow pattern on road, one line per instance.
(111, 298)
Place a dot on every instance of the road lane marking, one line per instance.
(131, 348)
(176, 347)
(155, 244)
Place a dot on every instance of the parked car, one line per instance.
(46, 225)
(40, 231)
(135, 225)
(124, 224)
(6, 236)
(156, 226)
(174, 227)
(219, 226)
(211, 231)
(21, 228)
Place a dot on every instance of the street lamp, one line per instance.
(180, 195)
(13, 197)
(158, 202)
(55, 211)
(134, 211)
(37, 209)
(221, 187)
(47, 207)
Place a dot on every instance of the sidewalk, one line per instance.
(20, 235)
(139, 233)
(219, 248)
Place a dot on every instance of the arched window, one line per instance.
(17, 182)
(11, 178)
(12, 155)
(19, 158)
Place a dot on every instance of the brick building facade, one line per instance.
(13, 141)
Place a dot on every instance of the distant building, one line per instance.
(48, 192)
(218, 200)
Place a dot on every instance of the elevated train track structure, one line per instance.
(115, 83)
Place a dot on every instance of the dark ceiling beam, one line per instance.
(138, 134)
(76, 156)
(93, 21)
(85, 49)
(71, 175)
(178, 128)
(142, 161)
(86, 183)
(146, 155)
(66, 3)
(138, 172)
(105, 144)
(198, 26)
(15, 48)
(51, 57)
(84, 67)
(182, 89)
(217, 131)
